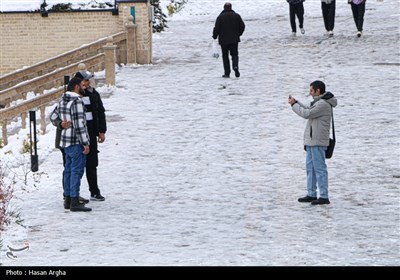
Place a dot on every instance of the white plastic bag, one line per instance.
(215, 49)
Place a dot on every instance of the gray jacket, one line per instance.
(319, 119)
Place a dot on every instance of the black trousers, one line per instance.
(92, 161)
(358, 15)
(63, 156)
(231, 49)
(296, 10)
(328, 13)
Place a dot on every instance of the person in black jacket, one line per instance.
(228, 28)
(97, 127)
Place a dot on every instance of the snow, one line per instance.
(33, 5)
(200, 170)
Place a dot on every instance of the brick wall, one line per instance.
(27, 38)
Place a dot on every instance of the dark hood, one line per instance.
(330, 98)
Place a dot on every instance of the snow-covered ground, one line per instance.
(201, 170)
(33, 5)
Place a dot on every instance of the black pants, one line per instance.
(296, 10)
(231, 49)
(63, 156)
(358, 15)
(92, 161)
(328, 13)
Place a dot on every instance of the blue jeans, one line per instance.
(74, 167)
(317, 172)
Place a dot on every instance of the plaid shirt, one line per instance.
(71, 108)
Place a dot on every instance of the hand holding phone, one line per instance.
(291, 100)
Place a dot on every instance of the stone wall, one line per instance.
(27, 38)
(144, 31)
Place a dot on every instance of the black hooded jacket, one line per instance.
(98, 124)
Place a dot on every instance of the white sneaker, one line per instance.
(302, 30)
(293, 34)
(359, 33)
(330, 33)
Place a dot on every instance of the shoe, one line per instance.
(330, 33)
(67, 202)
(83, 200)
(76, 206)
(225, 76)
(307, 199)
(302, 30)
(293, 34)
(359, 33)
(237, 73)
(97, 197)
(320, 201)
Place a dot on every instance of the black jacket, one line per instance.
(98, 124)
(229, 26)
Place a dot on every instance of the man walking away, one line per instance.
(228, 28)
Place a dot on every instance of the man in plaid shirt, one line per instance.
(75, 142)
